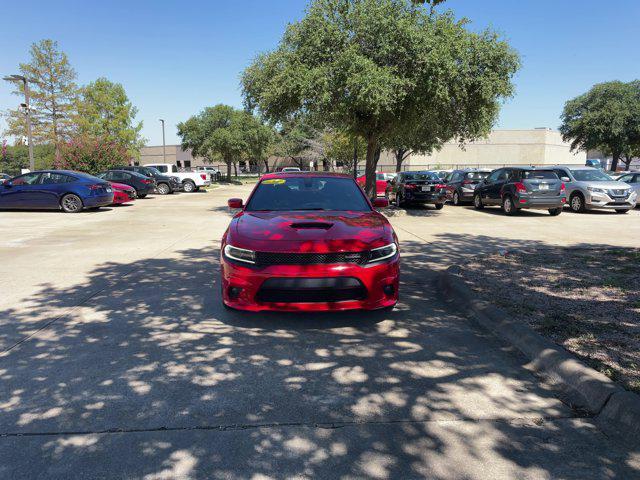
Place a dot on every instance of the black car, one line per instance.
(164, 183)
(416, 187)
(143, 185)
(514, 188)
(461, 184)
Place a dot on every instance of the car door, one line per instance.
(633, 180)
(47, 190)
(20, 192)
(490, 190)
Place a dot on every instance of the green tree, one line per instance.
(607, 118)
(223, 132)
(300, 141)
(53, 92)
(91, 154)
(340, 146)
(16, 157)
(373, 67)
(105, 111)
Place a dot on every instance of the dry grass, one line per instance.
(588, 301)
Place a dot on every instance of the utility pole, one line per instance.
(27, 108)
(164, 149)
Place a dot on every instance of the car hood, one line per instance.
(310, 231)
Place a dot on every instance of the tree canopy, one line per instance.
(91, 154)
(374, 67)
(105, 111)
(606, 118)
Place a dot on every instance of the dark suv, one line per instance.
(142, 185)
(461, 184)
(416, 187)
(515, 188)
(164, 183)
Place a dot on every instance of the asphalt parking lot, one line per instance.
(119, 361)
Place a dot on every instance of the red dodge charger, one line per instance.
(309, 242)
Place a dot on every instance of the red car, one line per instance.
(309, 242)
(381, 183)
(122, 193)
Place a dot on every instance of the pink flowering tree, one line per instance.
(91, 155)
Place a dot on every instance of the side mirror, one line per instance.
(381, 202)
(235, 203)
(565, 179)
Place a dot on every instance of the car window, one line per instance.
(584, 175)
(174, 169)
(476, 175)
(49, 178)
(26, 179)
(161, 168)
(628, 178)
(308, 193)
(120, 176)
(504, 174)
(420, 176)
(539, 175)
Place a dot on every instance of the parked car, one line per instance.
(122, 193)
(141, 184)
(381, 183)
(191, 181)
(291, 169)
(515, 188)
(416, 187)
(165, 184)
(55, 189)
(461, 184)
(4, 177)
(590, 188)
(309, 242)
(214, 172)
(633, 180)
(442, 174)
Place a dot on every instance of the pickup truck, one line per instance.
(214, 173)
(191, 181)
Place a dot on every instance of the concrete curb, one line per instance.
(616, 411)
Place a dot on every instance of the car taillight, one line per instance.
(563, 187)
(147, 181)
(96, 186)
(520, 187)
(440, 186)
(410, 186)
(203, 176)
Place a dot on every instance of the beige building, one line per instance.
(540, 146)
(174, 154)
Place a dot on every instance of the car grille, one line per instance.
(278, 258)
(311, 290)
(619, 192)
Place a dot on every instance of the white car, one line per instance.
(191, 181)
(214, 172)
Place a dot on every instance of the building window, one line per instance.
(187, 164)
(179, 163)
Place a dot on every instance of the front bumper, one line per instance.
(380, 285)
(603, 201)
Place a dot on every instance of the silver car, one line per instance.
(633, 180)
(590, 188)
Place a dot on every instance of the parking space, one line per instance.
(116, 346)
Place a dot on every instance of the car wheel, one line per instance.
(141, 195)
(577, 203)
(507, 205)
(622, 210)
(71, 203)
(456, 199)
(188, 186)
(439, 206)
(163, 189)
(477, 202)
(555, 211)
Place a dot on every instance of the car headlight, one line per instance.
(240, 254)
(633, 195)
(596, 190)
(382, 253)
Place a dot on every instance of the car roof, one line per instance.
(574, 167)
(127, 171)
(268, 176)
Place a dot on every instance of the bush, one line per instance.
(91, 155)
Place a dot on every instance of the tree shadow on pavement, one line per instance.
(140, 372)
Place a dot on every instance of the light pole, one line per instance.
(164, 151)
(23, 79)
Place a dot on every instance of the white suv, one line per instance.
(191, 181)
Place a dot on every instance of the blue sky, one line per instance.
(174, 58)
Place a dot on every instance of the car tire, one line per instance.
(621, 210)
(141, 195)
(71, 203)
(477, 202)
(577, 203)
(554, 212)
(439, 206)
(163, 189)
(508, 207)
(456, 199)
(188, 187)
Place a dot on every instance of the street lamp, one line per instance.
(164, 151)
(21, 78)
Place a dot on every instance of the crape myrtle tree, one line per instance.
(91, 154)
(375, 67)
(606, 118)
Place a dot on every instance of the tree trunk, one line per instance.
(373, 154)
(399, 158)
(614, 162)
(266, 165)
(235, 169)
(228, 161)
(627, 162)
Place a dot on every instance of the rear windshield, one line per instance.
(421, 176)
(308, 193)
(476, 175)
(590, 176)
(539, 175)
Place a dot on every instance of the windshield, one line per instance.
(591, 176)
(420, 176)
(307, 193)
(539, 174)
(476, 175)
(154, 171)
